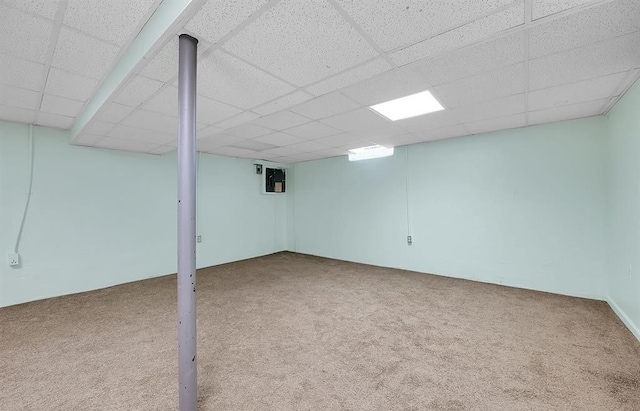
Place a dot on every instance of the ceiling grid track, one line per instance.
(265, 93)
(528, 9)
(513, 30)
(362, 33)
(53, 41)
(204, 55)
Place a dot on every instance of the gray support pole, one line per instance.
(187, 364)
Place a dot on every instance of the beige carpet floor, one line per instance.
(295, 332)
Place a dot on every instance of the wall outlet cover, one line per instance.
(14, 259)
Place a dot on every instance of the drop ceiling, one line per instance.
(290, 81)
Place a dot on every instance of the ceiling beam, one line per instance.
(166, 19)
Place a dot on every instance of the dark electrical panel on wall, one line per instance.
(274, 179)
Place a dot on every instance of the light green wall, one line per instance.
(624, 208)
(101, 217)
(522, 207)
(553, 207)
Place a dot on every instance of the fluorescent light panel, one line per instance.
(367, 153)
(409, 106)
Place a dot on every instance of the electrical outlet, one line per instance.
(199, 238)
(14, 259)
(409, 240)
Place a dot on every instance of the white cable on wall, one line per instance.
(406, 173)
(28, 200)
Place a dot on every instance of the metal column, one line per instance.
(187, 364)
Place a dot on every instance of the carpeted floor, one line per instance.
(295, 332)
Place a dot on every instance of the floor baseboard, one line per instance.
(624, 318)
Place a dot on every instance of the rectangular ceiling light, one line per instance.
(409, 106)
(366, 153)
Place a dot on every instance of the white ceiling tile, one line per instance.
(307, 156)
(208, 131)
(280, 139)
(16, 114)
(252, 145)
(54, 121)
(395, 23)
(283, 103)
(248, 131)
(485, 110)
(211, 112)
(43, 8)
(165, 102)
(137, 90)
(231, 81)
(149, 120)
(573, 93)
(308, 146)
(297, 158)
(113, 21)
(267, 157)
(161, 150)
(360, 119)
(280, 152)
(97, 128)
(114, 112)
(16, 71)
(125, 145)
(356, 144)
(164, 65)
(441, 133)
(241, 118)
(429, 121)
(486, 86)
(313, 130)
(73, 86)
(301, 44)
(24, 35)
(543, 8)
(396, 141)
(473, 60)
(325, 106)
(281, 120)
(590, 108)
(217, 18)
(467, 34)
(330, 152)
(391, 85)
(386, 128)
(349, 77)
(148, 136)
(589, 26)
(84, 55)
(217, 140)
(276, 159)
(345, 139)
(19, 97)
(60, 105)
(233, 152)
(502, 123)
(595, 60)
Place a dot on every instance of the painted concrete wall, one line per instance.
(624, 208)
(100, 217)
(522, 207)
